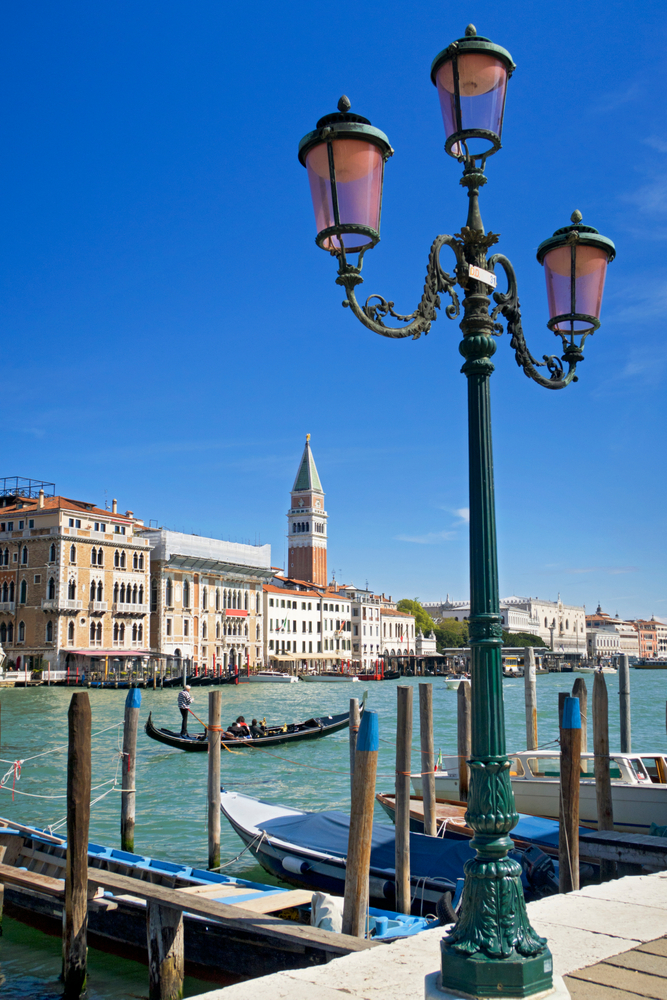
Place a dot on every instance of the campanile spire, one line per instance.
(307, 524)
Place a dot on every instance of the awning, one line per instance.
(114, 653)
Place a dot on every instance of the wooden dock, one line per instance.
(639, 972)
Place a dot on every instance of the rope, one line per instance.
(260, 837)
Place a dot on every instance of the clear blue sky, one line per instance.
(171, 332)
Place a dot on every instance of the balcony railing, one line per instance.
(129, 609)
(98, 606)
(50, 604)
(69, 605)
(7, 606)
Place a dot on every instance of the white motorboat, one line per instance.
(453, 682)
(272, 677)
(638, 787)
(330, 678)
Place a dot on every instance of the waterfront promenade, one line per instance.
(598, 937)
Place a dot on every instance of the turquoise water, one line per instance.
(171, 785)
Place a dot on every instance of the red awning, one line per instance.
(235, 613)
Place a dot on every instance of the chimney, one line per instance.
(40, 502)
(114, 506)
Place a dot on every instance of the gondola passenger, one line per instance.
(256, 729)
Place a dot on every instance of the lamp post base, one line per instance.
(433, 990)
(481, 976)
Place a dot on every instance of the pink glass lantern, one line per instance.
(575, 262)
(345, 159)
(471, 76)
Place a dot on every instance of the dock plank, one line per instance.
(604, 974)
(31, 880)
(654, 965)
(277, 901)
(657, 947)
(582, 990)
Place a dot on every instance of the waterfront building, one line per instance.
(661, 632)
(647, 633)
(307, 524)
(628, 636)
(206, 599)
(561, 626)
(308, 626)
(425, 645)
(73, 580)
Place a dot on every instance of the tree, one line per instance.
(521, 639)
(450, 633)
(423, 621)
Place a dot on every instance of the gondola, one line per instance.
(312, 729)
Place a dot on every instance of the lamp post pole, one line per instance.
(492, 951)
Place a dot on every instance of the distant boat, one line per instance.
(272, 677)
(329, 678)
(453, 682)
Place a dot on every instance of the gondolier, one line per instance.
(184, 702)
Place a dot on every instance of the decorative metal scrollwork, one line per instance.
(508, 306)
(376, 308)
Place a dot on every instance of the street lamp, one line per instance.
(492, 951)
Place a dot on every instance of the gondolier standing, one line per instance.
(184, 702)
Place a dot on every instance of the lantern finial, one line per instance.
(576, 216)
(344, 104)
(471, 30)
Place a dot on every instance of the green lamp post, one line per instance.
(492, 951)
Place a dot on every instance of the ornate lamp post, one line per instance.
(492, 951)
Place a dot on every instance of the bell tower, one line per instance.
(307, 524)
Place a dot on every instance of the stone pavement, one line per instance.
(600, 937)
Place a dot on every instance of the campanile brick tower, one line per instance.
(307, 524)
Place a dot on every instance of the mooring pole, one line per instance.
(128, 798)
(530, 682)
(354, 730)
(214, 734)
(361, 826)
(624, 699)
(605, 807)
(402, 820)
(166, 952)
(464, 734)
(427, 757)
(570, 767)
(580, 691)
(75, 915)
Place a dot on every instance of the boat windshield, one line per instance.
(655, 767)
(549, 767)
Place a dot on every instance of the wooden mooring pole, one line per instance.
(605, 807)
(427, 757)
(530, 682)
(354, 730)
(166, 952)
(214, 731)
(361, 826)
(570, 760)
(624, 702)
(128, 798)
(75, 913)
(402, 815)
(464, 735)
(580, 691)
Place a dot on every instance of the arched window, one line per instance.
(545, 623)
(52, 553)
(234, 598)
(115, 631)
(99, 632)
(245, 600)
(11, 592)
(10, 632)
(71, 590)
(141, 562)
(49, 631)
(115, 593)
(141, 633)
(93, 556)
(135, 591)
(4, 592)
(217, 598)
(123, 561)
(217, 630)
(204, 598)
(24, 556)
(204, 630)
(116, 558)
(121, 632)
(169, 594)
(294, 527)
(3, 633)
(122, 593)
(100, 591)
(257, 632)
(93, 591)
(72, 553)
(70, 633)
(5, 556)
(92, 631)
(567, 623)
(21, 637)
(134, 632)
(141, 593)
(186, 594)
(100, 556)
(135, 561)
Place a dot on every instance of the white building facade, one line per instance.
(304, 625)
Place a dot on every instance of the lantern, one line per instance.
(575, 262)
(471, 75)
(345, 159)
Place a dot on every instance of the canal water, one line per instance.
(171, 785)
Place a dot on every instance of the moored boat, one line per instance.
(329, 678)
(272, 677)
(638, 787)
(453, 682)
